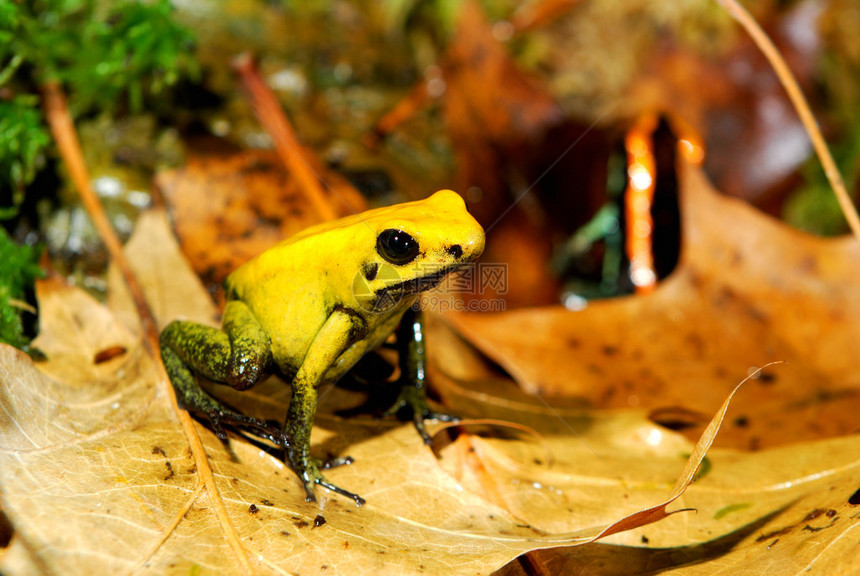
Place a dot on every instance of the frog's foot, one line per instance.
(259, 428)
(220, 416)
(414, 401)
(311, 476)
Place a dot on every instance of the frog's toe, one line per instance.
(312, 478)
(440, 416)
(414, 405)
(215, 422)
(395, 409)
(259, 428)
(359, 501)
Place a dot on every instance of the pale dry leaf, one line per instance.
(814, 534)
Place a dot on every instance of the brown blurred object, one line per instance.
(536, 14)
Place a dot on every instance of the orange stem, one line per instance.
(403, 110)
(289, 149)
(66, 137)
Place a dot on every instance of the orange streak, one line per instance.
(639, 197)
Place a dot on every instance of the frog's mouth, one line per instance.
(415, 285)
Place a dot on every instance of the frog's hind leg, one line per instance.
(239, 356)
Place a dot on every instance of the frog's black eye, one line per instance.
(396, 246)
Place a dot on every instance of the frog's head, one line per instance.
(417, 244)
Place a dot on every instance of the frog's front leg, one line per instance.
(339, 332)
(239, 356)
(413, 380)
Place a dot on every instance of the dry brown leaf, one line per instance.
(97, 476)
(748, 291)
(230, 206)
(816, 534)
(610, 451)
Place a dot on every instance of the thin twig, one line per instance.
(66, 137)
(272, 118)
(788, 81)
(402, 111)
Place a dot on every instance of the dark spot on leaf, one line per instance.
(265, 502)
(610, 350)
(159, 450)
(170, 472)
(854, 499)
(319, 521)
(301, 524)
(766, 378)
(644, 539)
(108, 354)
(831, 513)
(814, 514)
(456, 251)
(809, 265)
(284, 533)
(346, 544)
(253, 509)
(677, 417)
(742, 422)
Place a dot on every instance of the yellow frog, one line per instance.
(310, 307)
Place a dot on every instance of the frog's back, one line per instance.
(293, 287)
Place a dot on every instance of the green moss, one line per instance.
(23, 140)
(109, 56)
(18, 271)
